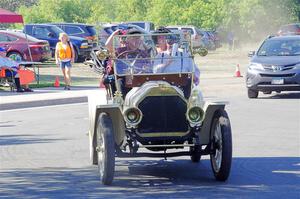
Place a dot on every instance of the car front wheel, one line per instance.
(221, 146)
(105, 149)
(252, 93)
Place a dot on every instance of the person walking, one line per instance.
(64, 57)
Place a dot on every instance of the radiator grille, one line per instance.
(163, 114)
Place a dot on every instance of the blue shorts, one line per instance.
(64, 64)
(10, 73)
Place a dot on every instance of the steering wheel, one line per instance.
(126, 53)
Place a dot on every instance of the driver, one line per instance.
(131, 52)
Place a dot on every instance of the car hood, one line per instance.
(276, 60)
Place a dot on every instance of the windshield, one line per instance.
(165, 53)
(284, 47)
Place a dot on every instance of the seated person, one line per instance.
(171, 59)
(130, 52)
(129, 55)
(11, 70)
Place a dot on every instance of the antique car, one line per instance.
(151, 109)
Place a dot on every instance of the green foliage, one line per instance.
(247, 18)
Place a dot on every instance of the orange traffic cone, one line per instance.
(56, 83)
(237, 71)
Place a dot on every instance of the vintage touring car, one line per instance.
(153, 105)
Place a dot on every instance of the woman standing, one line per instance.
(64, 56)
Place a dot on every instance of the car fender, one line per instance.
(98, 104)
(210, 108)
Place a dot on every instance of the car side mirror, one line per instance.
(251, 53)
(50, 34)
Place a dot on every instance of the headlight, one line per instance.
(195, 115)
(255, 66)
(132, 116)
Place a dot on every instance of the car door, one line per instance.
(45, 33)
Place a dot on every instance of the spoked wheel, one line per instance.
(221, 146)
(195, 153)
(105, 149)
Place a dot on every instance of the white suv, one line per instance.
(194, 32)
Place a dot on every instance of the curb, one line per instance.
(42, 103)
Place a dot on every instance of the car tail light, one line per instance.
(36, 46)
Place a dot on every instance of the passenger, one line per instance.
(171, 59)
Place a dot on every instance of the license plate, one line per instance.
(277, 81)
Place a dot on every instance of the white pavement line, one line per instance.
(41, 107)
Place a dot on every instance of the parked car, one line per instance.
(16, 46)
(275, 66)
(51, 34)
(146, 25)
(108, 29)
(290, 29)
(214, 37)
(154, 113)
(80, 30)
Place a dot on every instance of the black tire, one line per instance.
(105, 149)
(195, 154)
(221, 156)
(252, 93)
(16, 54)
(76, 58)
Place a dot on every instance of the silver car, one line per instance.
(275, 66)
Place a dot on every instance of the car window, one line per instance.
(199, 32)
(280, 48)
(190, 30)
(11, 38)
(3, 38)
(152, 26)
(91, 30)
(142, 25)
(72, 30)
(173, 29)
(40, 32)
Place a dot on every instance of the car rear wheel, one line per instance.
(15, 56)
(105, 149)
(252, 93)
(221, 145)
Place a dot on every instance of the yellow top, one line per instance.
(64, 53)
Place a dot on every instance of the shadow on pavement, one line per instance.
(292, 95)
(23, 139)
(274, 177)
